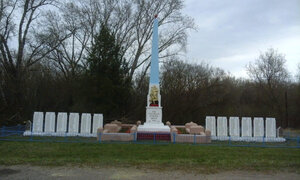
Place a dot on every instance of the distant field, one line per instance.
(171, 156)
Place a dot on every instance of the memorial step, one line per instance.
(141, 136)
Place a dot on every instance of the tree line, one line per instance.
(94, 56)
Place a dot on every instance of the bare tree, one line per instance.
(80, 19)
(191, 88)
(269, 68)
(22, 44)
(19, 27)
(173, 26)
(298, 74)
(130, 21)
(270, 73)
(68, 55)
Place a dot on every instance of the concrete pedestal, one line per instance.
(153, 121)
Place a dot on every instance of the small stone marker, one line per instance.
(222, 126)
(38, 120)
(50, 122)
(270, 127)
(210, 124)
(246, 127)
(234, 126)
(258, 129)
(73, 123)
(97, 122)
(62, 118)
(279, 132)
(85, 123)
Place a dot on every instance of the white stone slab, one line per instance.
(85, 127)
(149, 127)
(73, 123)
(50, 122)
(210, 124)
(258, 129)
(153, 121)
(62, 118)
(97, 122)
(153, 115)
(246, 127)
(222, 129)
(270, 127)
(38, 121)
(234, 127)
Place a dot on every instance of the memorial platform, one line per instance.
(148, 127)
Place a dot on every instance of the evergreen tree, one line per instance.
(108, 84)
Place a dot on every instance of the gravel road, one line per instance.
(87, 173)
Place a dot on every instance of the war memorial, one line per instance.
(258, 129)
(147, 89)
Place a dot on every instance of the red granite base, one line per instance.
(159, 136)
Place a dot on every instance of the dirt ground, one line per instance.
(35, 172)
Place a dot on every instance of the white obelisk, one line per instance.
(154, 110)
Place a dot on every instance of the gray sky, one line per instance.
(231, 33)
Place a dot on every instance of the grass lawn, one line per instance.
(162, 157)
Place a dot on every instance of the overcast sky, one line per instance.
(231, 33)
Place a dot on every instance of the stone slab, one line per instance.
(188, 125)
(279, 132)
(234, 127)
(97, 122)
(153, 128)
(50, 122)
(62, 119)
(38, 121)
(210, 124)
(270, 127)
(246, 127)
(111, 128)
(258, 129)
(153, 115)
(222, 126)
(73, 123)
(196, 129)
(85, 127)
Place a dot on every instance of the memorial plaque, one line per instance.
(154, 115)
(97, 122)
(258, 129)
(222, 126)
(73, 123)
(246, 127)
(85, 127)
(234, 126)
(270, 127)
(50, 122)
(38, 121)
(210, 124)
(62, 118)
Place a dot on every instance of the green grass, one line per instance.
(170, 156)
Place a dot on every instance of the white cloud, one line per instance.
(233, 32)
